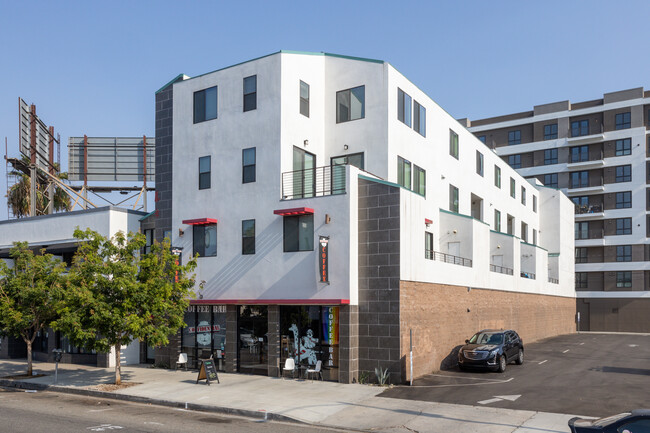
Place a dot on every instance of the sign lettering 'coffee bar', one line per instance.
(323, 252)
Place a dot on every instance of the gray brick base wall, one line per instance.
(349, 344)
(164, 151)
(274, 340)
(232, 339)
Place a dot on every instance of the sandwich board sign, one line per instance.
(208, 371)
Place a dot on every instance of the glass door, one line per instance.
(304, 173)
(253, 339)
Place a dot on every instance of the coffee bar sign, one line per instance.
(323, 252)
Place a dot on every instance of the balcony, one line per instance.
(582, 165)
(589, 234)
(314, 182)
(553, 280)
(587, 212)
(501, 269)
(447, 258)
(528, 275)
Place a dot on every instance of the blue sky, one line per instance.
(93, 67)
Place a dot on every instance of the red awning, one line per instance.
(200, 221)
(428, 221)
(294, 211)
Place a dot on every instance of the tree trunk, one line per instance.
(29, 356)
(118, 367)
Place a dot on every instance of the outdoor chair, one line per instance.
(289, 365)
(182, 360)
(315, 371)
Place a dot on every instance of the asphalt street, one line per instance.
(29, 412)
(586, 374)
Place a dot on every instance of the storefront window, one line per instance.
(205, 334)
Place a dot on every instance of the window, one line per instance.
(204, 238)
(513, 191)
(623, 226)
(453, 144)
(248, 237)
(523, 196)
(581, 255)
(510, 227)
(419, 119)
(298, 233)
(579, 128)
(351, 104)
(623, 173)
(419, 180)
(624, 279)
(479, 163)
(524, 231)
(550, 156)
(624, 253)
(355, 159)
(534, 237)
(482, 138)
(497, 176)
(534, 203)
(550, 180)
(404, 172)
(514, 137)
(514, 161)
(304, 98)
(623, 120)
(248, 165)
(623, 200)
(204, 172)
(250, 93)
(550, 131)
(497, 221)
(623, 147)
(453, 198)
(581, 203)
(403, 107)
(148, 236)
(428, 245)
(581, 230)
(579, 179)
(205, 105)
(581, 280)
(580, 153)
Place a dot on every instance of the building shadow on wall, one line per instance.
(450, 361)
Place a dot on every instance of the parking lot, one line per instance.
(584, 374)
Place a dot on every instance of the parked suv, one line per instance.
(491, 349)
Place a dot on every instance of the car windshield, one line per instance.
(486, 338)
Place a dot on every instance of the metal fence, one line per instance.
(528, 275)
(447, 258)
(553, 280)
(313, 182)
(501, 269)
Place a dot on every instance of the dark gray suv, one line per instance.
(491, 349)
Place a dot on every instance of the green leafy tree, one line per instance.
(30, 294)
(118, 295)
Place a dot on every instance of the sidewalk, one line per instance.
(351, 407)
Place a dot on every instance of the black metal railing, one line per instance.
(553, 280)
(313, 182)
(528, 275)
(589, 234)
(584, 209)
(447, 258)
(501, 269)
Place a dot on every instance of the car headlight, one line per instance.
(494, 352)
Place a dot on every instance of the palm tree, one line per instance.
(18, 195)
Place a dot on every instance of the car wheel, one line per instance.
(520, 357)
(461, 367)
(502, 364)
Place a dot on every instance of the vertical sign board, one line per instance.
(323, 242)
(178, 252)
(330, 321)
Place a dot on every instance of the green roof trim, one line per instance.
(147, 216)
(463, 215)
(175, 79)
(533, 245)
(554, 254)
(382, 181)
(505, 234)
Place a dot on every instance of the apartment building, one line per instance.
(336, 211)
(597, 153)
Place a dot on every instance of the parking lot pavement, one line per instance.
(586, 374)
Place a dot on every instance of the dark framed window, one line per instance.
(204, 172)
(419, 118)
(623, 226)
(248, 165)
(580, 153)
(623, 147)
(624, 279)
(534, 203)
(624, 253)
(523, 196)
(482, 138)
(453, 144)
(404, 172)
(355, 159)
(581, 255)
(550, 156)
(534, 236)
(204, 239)
(623, 200)
(250, 93)
(623, 120)
(453, 198)
(497, 221)
(579, 179)
(304, 98)
(581, 280)
(550, 180)
(513, 188)
(514, 161)
(205, 104)
(550, 131)
(428, 245)
(148, 236)
(248, 237)
(419, 180)
(579, 128)
(351, 104)
(581, 203)
(298, 233)
(581, 230)
(479, 163)
(524, 232)
(623, 173)
(497, 176)
(403, 107)
(514, 137)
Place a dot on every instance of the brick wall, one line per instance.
(443, 316)
(164, 151)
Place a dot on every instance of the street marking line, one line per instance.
(633, 345)
(543, 361)
(467, 378)
(204, 397)
(582, 344)
(460, 384)
(566, 351)
(100, 410)
(153, 423)
(508, 397)
(492, 400)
